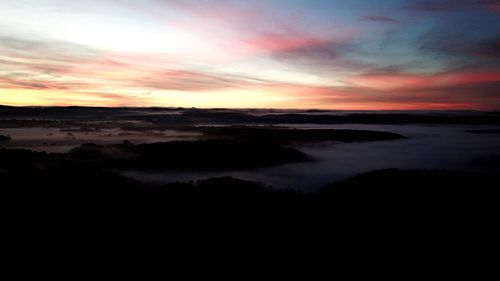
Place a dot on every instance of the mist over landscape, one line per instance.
(359, 129)
(438, 143)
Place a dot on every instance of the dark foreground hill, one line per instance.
(50, 205)
(34, 184)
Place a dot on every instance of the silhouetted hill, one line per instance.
(214, 155)
(382, 118)
(219, 116)
(407, 194)
(380, 208)
(177, 116)
(186, 155)
(40, 181)
(177, 155)
(284, 135)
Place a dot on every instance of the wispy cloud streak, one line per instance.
(328, 54)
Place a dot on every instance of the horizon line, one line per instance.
(236, 108)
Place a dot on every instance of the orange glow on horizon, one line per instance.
(246, 54)
(23, 97)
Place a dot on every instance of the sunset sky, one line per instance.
(330, 54)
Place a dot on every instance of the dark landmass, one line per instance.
(15, 123)
(177, 155)
(276, 134)
(383, 118)
(214, 155)
(4, 138)
(395, 195)
(85, 190)
(226, 148)
(484, 132)
(184, 116)
(416, 189)
(401, 194)
(201, 116)
(492, 160)
(78, 112)
(40, 193)
(81, 173)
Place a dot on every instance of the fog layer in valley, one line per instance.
(446, 147)
(461, 141)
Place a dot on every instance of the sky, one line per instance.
(325, 54)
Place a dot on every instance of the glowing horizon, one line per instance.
(251, 54)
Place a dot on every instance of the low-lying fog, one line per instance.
(427, 147)
(59, 140)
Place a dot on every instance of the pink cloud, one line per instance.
(278, 42)
(396, 81)
(244, 28)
